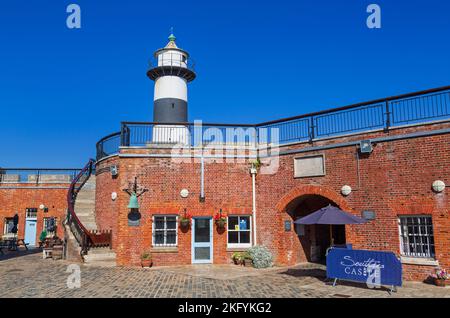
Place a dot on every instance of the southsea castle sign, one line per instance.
(374, 267)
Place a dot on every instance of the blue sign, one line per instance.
(374, 267)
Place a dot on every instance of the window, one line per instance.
(8, 227)
(165, 230)
(416, 236)
(50, 226)
(31, 212)
(239, 231)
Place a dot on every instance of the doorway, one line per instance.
(30, 231)
(314, 239)
(202, 240)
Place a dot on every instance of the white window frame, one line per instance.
(5, 225)
(400, 232)
(165, 230)
(44, 225)
(31, 213)
(240, 245)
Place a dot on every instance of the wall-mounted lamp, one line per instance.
(438, 186)
(346, 190)
(184, 193)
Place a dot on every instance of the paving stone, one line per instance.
(28, 275)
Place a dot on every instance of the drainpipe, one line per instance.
(253, 172)
(202, 179)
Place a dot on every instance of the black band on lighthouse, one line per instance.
(170, 110)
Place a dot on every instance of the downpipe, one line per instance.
(253, 172)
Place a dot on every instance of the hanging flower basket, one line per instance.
(185, 219)
(220, 219)
(221, 222)
(185, 222)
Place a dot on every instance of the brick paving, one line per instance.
(28, 275)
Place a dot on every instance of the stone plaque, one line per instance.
(312, 166)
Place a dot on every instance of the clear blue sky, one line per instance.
(61, 90)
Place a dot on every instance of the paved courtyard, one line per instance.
(28, 275)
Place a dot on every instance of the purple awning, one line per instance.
(330, 215)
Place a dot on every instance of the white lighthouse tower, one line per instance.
(171, 74)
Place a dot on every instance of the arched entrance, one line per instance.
(310, 242)
(314, 239)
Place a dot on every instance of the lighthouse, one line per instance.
(171, 73)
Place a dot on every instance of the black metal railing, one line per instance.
(37, 176)
(108, 145)
(172, 59)
(192, 134)
(85, 238)
(414, 108)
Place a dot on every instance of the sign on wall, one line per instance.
(376, 267)
(311, 166)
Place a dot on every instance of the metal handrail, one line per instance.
(385, 113)
(85, 238)
(78, 229)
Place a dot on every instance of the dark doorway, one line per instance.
(314, 239)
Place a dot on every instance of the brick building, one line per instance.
(386, 160)
(36, 196)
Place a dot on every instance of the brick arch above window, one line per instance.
(312, 190)
(413, 207)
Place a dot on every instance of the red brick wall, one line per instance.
(227, 187)
(106, 209)
(394, 180)
(17, 197)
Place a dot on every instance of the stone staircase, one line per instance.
(85, 211)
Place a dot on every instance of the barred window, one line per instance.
(165, 230)
(416, 236)
(239, 231)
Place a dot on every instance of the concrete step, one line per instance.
(101, 264)
(100, 251)
(85, 214)
(81, 200)
(104, 257)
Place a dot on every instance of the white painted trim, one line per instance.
(165, 229)
(241, 245)
(419, 261)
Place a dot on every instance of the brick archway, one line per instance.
(312, 190)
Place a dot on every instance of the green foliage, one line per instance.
(261, 256)
(146, 256)
(43, 236)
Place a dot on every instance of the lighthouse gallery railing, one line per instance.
(413, 108)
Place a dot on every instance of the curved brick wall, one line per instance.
(395, 179)
(106, 210)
